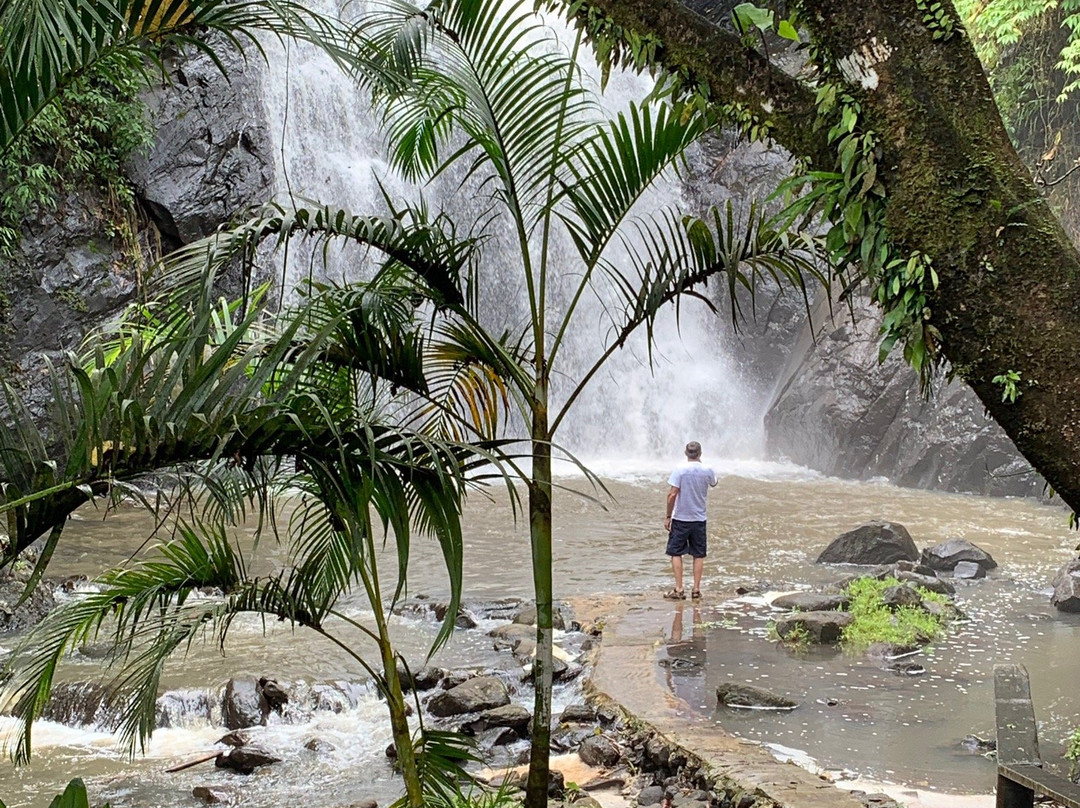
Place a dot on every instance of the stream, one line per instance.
(767, 524)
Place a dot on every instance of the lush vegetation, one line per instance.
(80, 140)
(876, 623)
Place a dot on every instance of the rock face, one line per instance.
(945, 556)
(822, 628)
(870, 419)
(212, 155)
(739, 695)
(876, 542)
(472, 696)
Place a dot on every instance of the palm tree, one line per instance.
(221, 397)
(488, 86)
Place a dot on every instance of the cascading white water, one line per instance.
(634, 414)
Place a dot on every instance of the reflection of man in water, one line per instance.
(686, 656)
(685, 520)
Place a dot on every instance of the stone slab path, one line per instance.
(626, 672)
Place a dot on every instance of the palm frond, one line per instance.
(487, 73)
(46, 43)
(672, 258)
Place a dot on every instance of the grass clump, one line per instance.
(797, 638)
(1072, 754)
(876, 623)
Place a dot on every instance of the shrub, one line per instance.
(875, 622)
(80, 140)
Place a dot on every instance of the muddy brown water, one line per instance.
(766, 524)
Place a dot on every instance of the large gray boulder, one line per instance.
(733, 694)
(877, 542)
(472, 696)
(945, 556)
(821, 628)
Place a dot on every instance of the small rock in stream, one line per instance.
(245, 759)
(732, 694)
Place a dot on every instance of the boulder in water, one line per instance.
(16, 616)
(272, 696)
(526, 615)
(822, 628)
(732, 694)
(212, 795)
(472, 696)
(598, 750)
(80, 704)
(241, 705)
(1066, 597)
(244, 759)
(811, 602)
(877, 542)
(945, 556)
(511, 716)
(968, 570)
(319, 746)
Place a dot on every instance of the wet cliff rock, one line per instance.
(74, 269)
(839, 411)
(212, 156)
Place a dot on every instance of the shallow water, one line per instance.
(767, 523)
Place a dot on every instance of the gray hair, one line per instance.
(693, 450)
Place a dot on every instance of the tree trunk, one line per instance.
(399, 722)
(540, 538)
(1009, 294)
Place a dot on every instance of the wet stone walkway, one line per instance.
(626, 672)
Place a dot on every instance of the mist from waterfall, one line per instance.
(636, 413)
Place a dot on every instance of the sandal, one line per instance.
(696, 594)
(675, 594)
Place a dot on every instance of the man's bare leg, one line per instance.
(676, 567)
(699, 566)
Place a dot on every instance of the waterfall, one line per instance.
(632, 416)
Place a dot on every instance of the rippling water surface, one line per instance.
(767, 524)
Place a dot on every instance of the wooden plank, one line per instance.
(1057, 788)
(1011, 794)
(1017, 736)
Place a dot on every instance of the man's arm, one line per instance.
(672, 495)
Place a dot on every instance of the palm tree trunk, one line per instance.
(399, 724)
(540, 537)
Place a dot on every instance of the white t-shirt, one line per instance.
(693, 480)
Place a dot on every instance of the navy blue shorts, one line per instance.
(686, 538)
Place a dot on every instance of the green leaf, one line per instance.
(747, 15)
(787, 31)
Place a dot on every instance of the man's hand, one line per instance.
(667, 524)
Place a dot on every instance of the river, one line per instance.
(767, 524)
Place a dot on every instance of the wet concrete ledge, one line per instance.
(626, 676)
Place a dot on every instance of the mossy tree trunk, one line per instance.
(1009, 294)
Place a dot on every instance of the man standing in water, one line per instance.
(685, 521)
